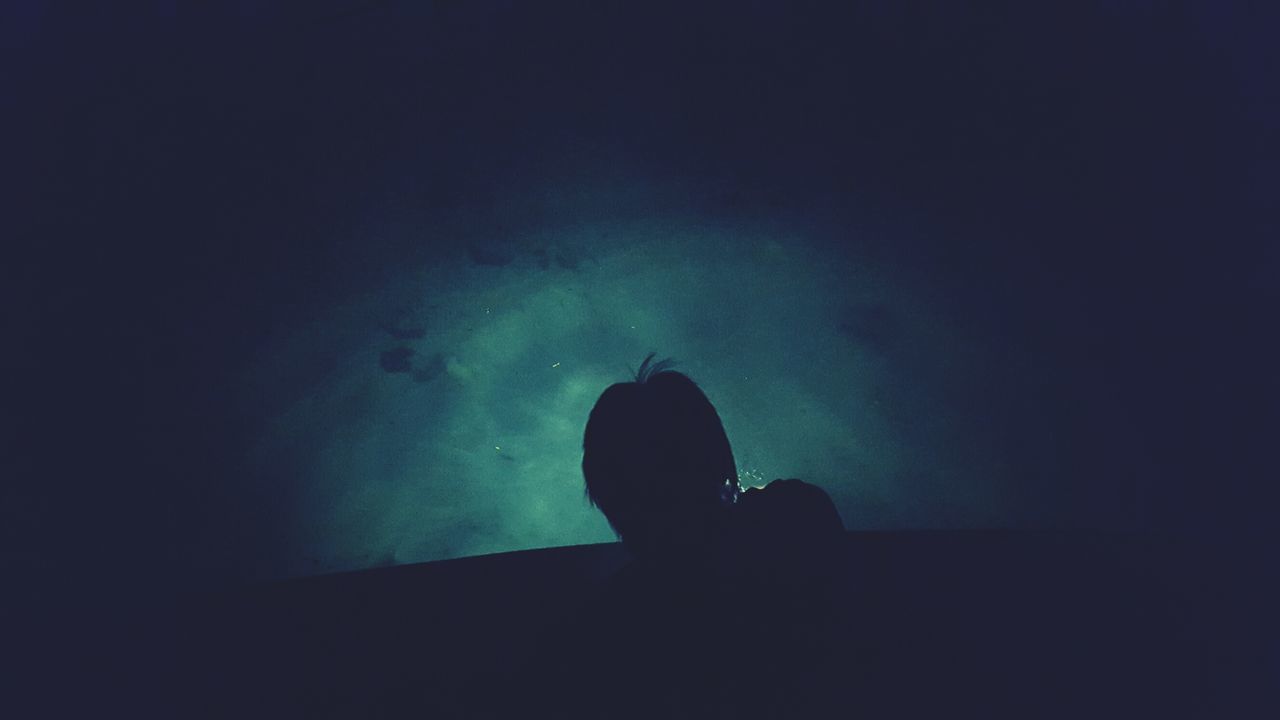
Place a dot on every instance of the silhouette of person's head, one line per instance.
(657, 461)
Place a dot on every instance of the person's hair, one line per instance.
(654, 444)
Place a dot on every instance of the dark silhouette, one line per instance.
(722, 583)
(732, 604)
(658, 464)
(727, 603)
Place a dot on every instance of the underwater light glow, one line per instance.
(815, 377)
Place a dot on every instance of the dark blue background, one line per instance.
(1100, 177)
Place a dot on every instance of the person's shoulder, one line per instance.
(786, 535)
(791, 506)
(790, 488)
